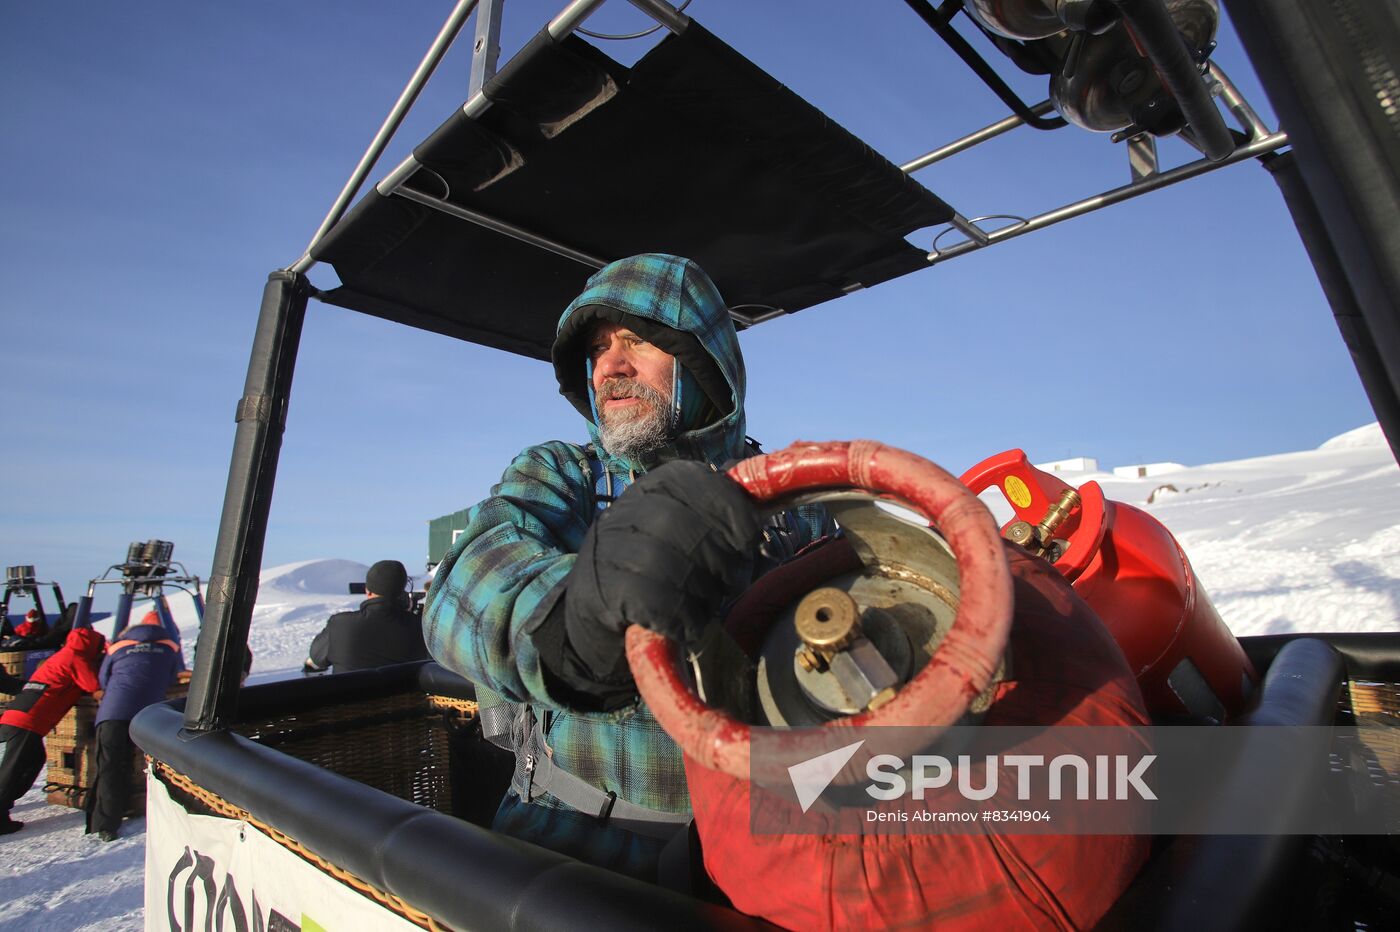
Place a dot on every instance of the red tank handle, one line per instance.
(964, 662)
(1031, 492)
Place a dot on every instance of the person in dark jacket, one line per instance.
(141, 664)
(380, 632)
(53, 689)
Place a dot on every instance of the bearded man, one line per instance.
(640, 526)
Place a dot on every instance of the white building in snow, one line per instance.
(1146, 469)
(1073, 464)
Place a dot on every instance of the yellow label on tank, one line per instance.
(1016, 491)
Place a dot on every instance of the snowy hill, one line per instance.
(1368, 435)
(294, 601)
(1306, 541)
(312, 577)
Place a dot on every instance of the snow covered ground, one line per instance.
(1294, 542)
(1305, 541)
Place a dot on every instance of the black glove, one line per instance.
(667, 555)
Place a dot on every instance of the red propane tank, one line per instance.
(1064, 669)
(1134, 574)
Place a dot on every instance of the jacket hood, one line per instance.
(86, 641)
(672, 303)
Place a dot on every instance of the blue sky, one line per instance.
(159, 159)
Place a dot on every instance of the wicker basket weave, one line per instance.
(398, 744)
(1375, 707)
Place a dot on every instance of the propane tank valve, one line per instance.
(828, 622)
(1056, 514)
(1040, 539)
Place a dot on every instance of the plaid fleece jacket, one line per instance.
(506, 569)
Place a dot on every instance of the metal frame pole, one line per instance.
(1234, 100)
(167, 618)
(122, 616)
(1127, 192)
(940, 21)
(500, 226)
(82, 618)
(571, 17)
(233, 582)
(973, 139)
(487, 46)
(1155, 33)
(663, 13)
(390, 125)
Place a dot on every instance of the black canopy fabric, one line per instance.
(693, 151)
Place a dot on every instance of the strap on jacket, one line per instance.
(514, 726)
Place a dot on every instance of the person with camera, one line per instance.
(380, 632)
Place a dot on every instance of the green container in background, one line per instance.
(442, 532)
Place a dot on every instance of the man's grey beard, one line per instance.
(639, 429)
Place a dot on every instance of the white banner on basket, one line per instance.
(205, 872)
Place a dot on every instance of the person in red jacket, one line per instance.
(53, 689)
(35, 625)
